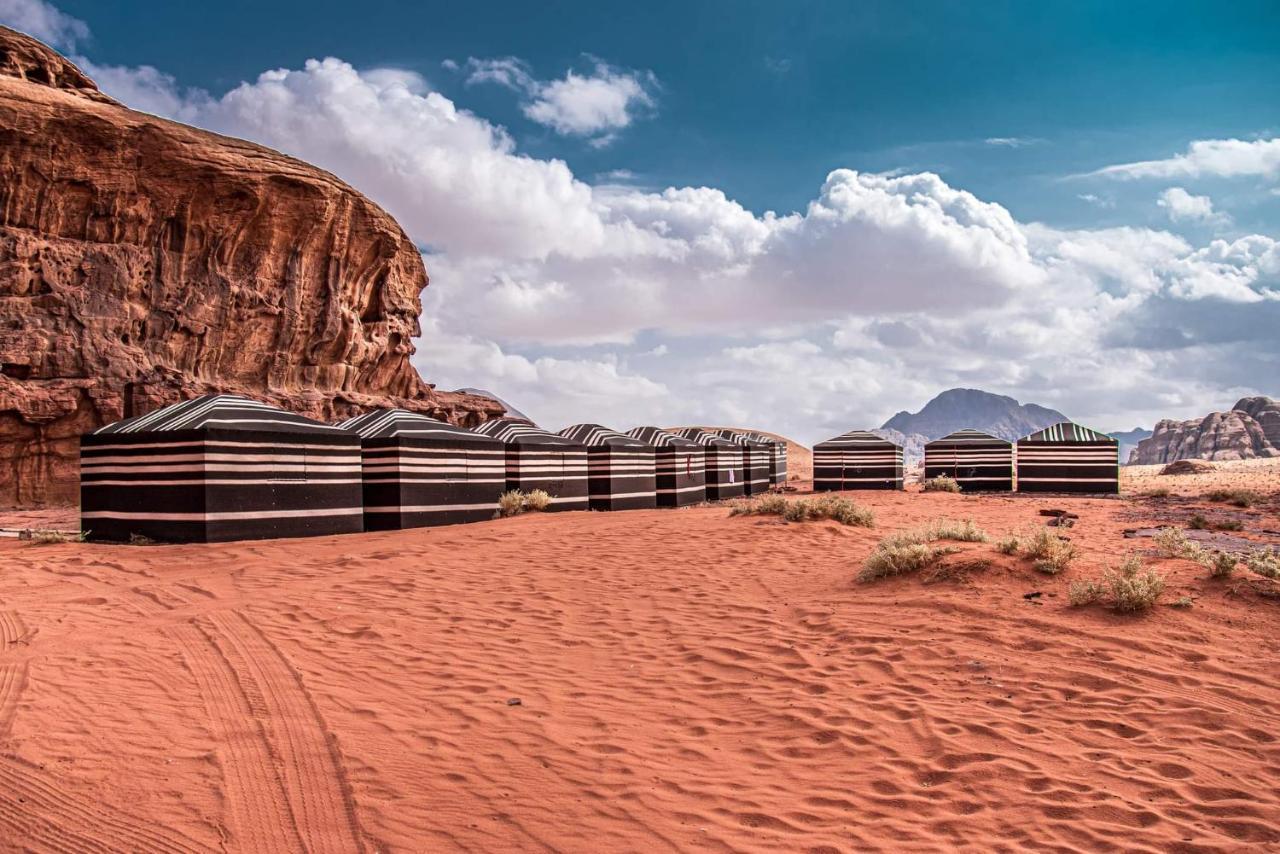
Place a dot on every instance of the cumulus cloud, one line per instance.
(1182, 206)
(883, 290)
(1012, 141)
(596, 104)
(45, 22)
(1223, 158)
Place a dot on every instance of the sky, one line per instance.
(797, 217)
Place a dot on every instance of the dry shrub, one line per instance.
(49, 538)
(913, 549)
(834, 507)
(537, 501)
(1171, 542)
(1048, 551)
(1085, 592)
(962, 530)
(1009, 544)
(1234, 497)
(1266, 564)
(1182, 602)
(941, 483)
(511, 503)
(1132, 587)
(1219, 564)
(1158, 492)
(1198, 523)
(953, 570)
(1229, 525)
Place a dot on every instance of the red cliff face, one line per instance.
(143, 262)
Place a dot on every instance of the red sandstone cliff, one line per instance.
(143, 262)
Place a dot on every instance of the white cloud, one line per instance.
(595, 105)
(1096, 200)
(1184, 207)
(882, 291)
(45, 22)
(1012, 141)
(1223, 158)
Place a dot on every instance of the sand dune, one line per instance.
(686, 681)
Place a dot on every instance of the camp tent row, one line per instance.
(1064, 457)
(223, 467)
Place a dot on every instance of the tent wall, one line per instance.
(1068, 458)
(680, 476)
(975, 460)
(412, 483)
(723, 464)
(856, 460)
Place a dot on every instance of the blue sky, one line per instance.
(956, 201)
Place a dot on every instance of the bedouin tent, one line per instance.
(978, 461)
(1068, 458)
(857, 460)
(537, 459)
(755, 460)
(219, 468)
(777, 457)
(722, 463)
(418, 471)
(680, 466)
(621, 470)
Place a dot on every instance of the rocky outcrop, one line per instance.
(144, 262)
(1266, 412)
(1233, 435)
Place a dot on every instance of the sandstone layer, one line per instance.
(144, 262)
(1234, 435)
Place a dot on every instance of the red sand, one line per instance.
(687, 681)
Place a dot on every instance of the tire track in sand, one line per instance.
(285, 787)
(13, 675)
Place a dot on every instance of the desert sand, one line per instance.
(685, 681)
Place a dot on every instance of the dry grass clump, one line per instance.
(49, 538)
(1219, 564)
(1128, 588)
(1048, 551)
(1171, 542)
(1008, 544)
(1200, 523)
(913, 549)
(1234, 497)
(1266, 564)
(1158, 492)
(941, 483)
(834, 507)
(514, 502)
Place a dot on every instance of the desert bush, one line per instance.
(1182, 602)
(896, 558)
(1229, 525)
(834, 507)
(961, 530)
(537, 500)
(1171, 542)
(1198, 523)
(1266, 564)
(1219, 564)
(1132, 587)
(941, 483)
(48, 538)
(1158, 492)
(1235, 497)
(1009, 544)
(1084, 592)
(511, 503)
(1048, 551)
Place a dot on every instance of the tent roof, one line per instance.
(660, 438)
(857, 439)
(223, 412)
(968, 435)
(520, 432)
(401, 423)
(593, 435)
(1067, 431)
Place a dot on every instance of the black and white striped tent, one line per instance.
(1068, 458)
(680, 466)
(777, 457)
(219, 468)
(419, 471)
(537, 459)
(978, 461)
(756, 457)
(722, 463)
(856, 460)
(621, 470)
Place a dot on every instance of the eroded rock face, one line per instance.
(1233, 435)
(144, 262)
(1266, 411)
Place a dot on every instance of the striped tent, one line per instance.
(857, 460)
(723, 463)
(680, 466)
(756, 456)
(219, 468)
(621, 472)
(978, 461)
(537, 459)
(419, 471)
(777, 457)
(1068, 458)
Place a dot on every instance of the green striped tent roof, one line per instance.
(1067, 431)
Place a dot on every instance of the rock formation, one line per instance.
(143, 262)
(1266, 412)
(1234, 435)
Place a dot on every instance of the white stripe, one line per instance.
(224, 516)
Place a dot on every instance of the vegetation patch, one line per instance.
(834, 507)
(1266, 564)
(913, 550)
(941, 483)
(1129, 588)
(49, 538)
(1048, 551)
(514, 502)
(1234, 497)
(1158, 492)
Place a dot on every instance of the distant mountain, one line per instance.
(1129, 441)
(512, 412)
(1251, 429)
(958, 408)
